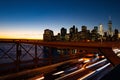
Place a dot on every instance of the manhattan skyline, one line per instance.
(29, 18)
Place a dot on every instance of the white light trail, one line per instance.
(103, 67)
(89, 74)
(69, 74)
(96, 63)
(86, 75)
(41, 78)
(60, 72)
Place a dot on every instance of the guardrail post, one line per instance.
(18, 54)
(50, 55)
(36, 58)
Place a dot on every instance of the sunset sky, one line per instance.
(28, 18)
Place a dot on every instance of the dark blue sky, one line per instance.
(25, 16)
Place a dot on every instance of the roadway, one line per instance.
(79, 74)
(75, 74)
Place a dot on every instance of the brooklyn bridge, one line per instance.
(31, 59)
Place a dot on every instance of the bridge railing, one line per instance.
(18, 56)
(14, 57)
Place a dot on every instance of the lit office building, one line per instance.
(119, 35)
(101, 31)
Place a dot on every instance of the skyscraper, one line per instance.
(63, 33)
(96, 28)
(110, 33)
(48, 35)
(84, 28)
(101, 31)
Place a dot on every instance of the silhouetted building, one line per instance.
(115, 36)
(96, 29)
(73, 32)
(76, 30)
(48, 35)
(105, 36)
(58, 37)
(94, 34)
(84, 34)
(67, 37)
(84, 29)
(88, 35)
(116, 32)
(63, 33)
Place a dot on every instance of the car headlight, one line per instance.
(86, 61)
(80, 59)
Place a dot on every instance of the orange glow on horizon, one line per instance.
(21, 36)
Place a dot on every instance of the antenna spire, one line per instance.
(110, 18)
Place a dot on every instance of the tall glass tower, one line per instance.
(110, 27)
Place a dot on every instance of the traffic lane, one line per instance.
(49, 77)
(81, 73)
(63, 70)
(99, 74)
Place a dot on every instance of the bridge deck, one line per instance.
(104, 47)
